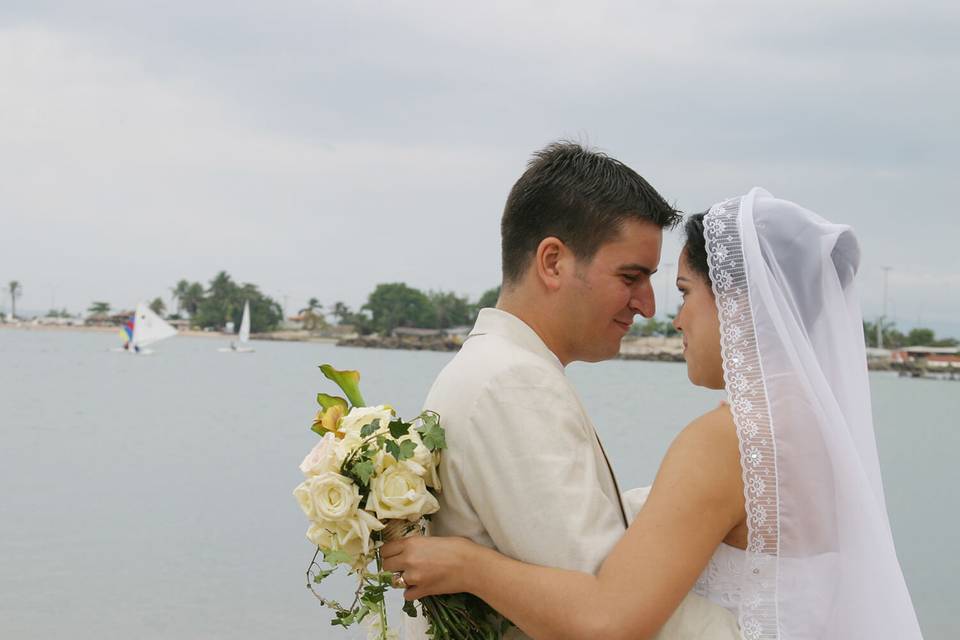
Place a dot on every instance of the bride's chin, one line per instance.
(700, 379)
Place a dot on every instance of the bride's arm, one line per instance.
(696, 500)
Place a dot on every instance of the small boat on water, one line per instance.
(143, 329)
(243, 338)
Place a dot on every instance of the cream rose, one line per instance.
(426, 460)
(328, 497)
(400, 492)
(327, 455)
(360, 417)
(351, 536)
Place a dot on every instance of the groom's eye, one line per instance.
(629, 279)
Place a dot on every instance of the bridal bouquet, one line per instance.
(373, 477)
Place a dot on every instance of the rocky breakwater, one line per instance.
(657, 349)
(409, 343)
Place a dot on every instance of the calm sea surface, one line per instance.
(150, 497)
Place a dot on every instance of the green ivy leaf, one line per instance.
(410, 609)
(399, 428)
(337, 556)
(433, 435)
(363, 471)
(373, 595)
(369, 429)
(393, 449)
(322, 575)
(407, 447)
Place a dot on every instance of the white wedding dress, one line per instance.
(700, 618)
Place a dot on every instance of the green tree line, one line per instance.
(895, 339)
(396, 304)
(221, 301)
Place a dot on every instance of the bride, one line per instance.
(770, 506)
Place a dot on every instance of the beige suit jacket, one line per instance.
(524, 471)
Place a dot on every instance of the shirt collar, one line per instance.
(506, 325)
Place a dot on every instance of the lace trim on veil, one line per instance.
(756, 591)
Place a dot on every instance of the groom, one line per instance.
(524, 471)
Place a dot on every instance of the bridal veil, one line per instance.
(820, 561)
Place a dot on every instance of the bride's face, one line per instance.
(697, 320)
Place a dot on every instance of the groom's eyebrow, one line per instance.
(638, 267)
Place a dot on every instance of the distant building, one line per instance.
(930, 357)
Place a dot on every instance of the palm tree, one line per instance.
(312, 320)
(157, 306)
(341, 312)
(16, 290)
(191, 298)
(99, 309)
(178, 292)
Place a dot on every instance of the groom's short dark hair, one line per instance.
(578, 195)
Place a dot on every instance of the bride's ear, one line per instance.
(548, 261)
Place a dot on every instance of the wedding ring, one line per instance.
(398, 581)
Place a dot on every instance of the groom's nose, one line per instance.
(643, 302)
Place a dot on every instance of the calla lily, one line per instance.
(348, 381)
(332, 409)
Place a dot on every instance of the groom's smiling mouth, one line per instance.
(623, 325)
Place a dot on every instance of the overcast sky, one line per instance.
(317, 149)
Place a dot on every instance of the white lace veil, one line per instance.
(820, 562)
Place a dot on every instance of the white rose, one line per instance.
(328, 496)
(426, 460)
(421, 455)
(327, 455)
(352, 536)
(360, 417)
(400, 492)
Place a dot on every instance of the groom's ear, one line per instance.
(549, 259)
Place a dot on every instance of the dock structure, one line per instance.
(928, 362)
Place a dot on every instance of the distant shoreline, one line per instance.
(645, 349)
(276, 336)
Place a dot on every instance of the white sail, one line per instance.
(148, 327)
(245, 324)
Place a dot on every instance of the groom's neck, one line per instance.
(541, 323)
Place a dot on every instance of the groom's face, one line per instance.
(606, 292)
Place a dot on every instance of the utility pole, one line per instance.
(666, 289)
(886, 273)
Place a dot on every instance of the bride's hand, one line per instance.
(430, 565)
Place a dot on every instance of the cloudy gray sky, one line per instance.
(319, 148)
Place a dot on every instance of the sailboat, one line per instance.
(147, 328)
(243, 337)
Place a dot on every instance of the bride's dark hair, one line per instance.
(696, 246)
